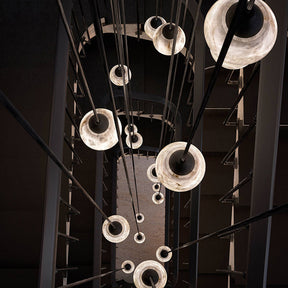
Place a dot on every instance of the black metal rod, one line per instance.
(77, 58)
(242, 92)
(172, 13)
(75, 211)
(75, 98)
(65, 269)
(68, 237)
(229, 36)
(231, 229)
(138, 20)
(157, 9)
(89, 279)
(83, 19)
(237, 187)
(26, 125)
(77, 28)
(240, 140)
(250, 4)
(152, 282)
(73, 122)
(72, 149)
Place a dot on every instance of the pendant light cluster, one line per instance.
(254, 38)
(133, 140)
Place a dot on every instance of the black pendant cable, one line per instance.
(101, 45)
(129, 101)
(173, 82)
(188, 53)
(170, 69)
(116, 11)
(67, 28)
(241, 7)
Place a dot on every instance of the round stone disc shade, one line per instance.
(158, 198)
(103, 138)
(128, 266)
(180, 182)
(135, 144)
(151, 173)
(150, 268)
(141, 239)
(164, 45)
(148, 26)
(118, 79)
(242, 51)
(159, 254)
(121, 231)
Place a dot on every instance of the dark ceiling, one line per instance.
(27, 69)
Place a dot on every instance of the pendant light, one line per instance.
(136, 139)
(158, 198)
(254, 38)
(99, 136)
(176, 175)
(151, 173)
(152, 24)
(117, 232)
(133, 129)
(163, 254)
(116, 75)
(140, 217)
(139, 237)
(163, 39)
(156, 187)
(147, 271)
(127, 266)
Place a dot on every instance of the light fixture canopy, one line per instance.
(152, 24)
(150, 269)
(163, 254)
(128, 266)
(139, 237)
(133, 129)
(99, 136)
(117, 232)
(253, 40)
(163, 39)
(176, 175)
(158, 198)
(152, 174)
(140, 217)
(116, 75)
(136, 139)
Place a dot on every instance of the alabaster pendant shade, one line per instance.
(158, 198)
(253, 40)
(140, 217)
(150, 269)
(163, 39)
(128, 266)
(136, 141)
(101, 136)
(152, 24)
(151, 173)
(133, 129)
(156, 187)
(117, 232)
(176, 175)
(163, 254)
(116, 75)
(139, 238)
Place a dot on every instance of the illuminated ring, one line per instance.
(158, 198)
(140, 217)
(128, 266)
(138, 142)
(118, 79)
(139, 241)
(183, 177)
(156, 187)
(151, 173)
(122, 227)
(150, 268)
(126, 129)
(148, 27)
(242, 51)
(164, 45)
(104, 135)
(163, 255)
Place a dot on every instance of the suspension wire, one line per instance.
(250, 4)
(234, 228)
(130, 106)
(29, 129)
(170, 74)
(172, 13)
(89, 279)
(157, 9)
(115, 37)
(188, 53)
(241, 6)
(174, 78)
(100, 42)
(65, 22)
(138, 20)
(83, 19)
